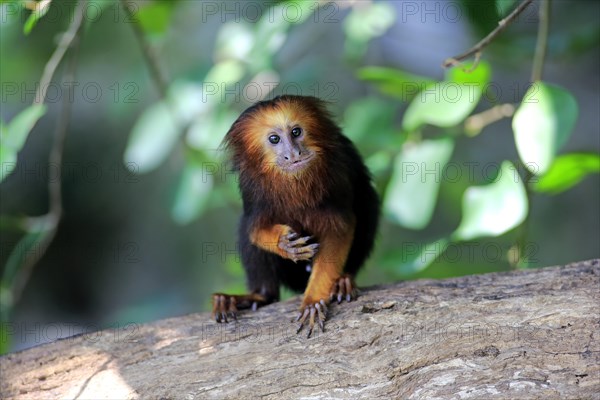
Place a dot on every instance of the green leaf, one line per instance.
(15, 134)
(394, 82)
(446, 104)
(13, 223)
(25, 248)
(566, 171)
(467, 73)
(41, 9)
(235, 41)
(504, 7)
(369, 117)
(443, 104)
(207, 132)
(154, 17)
(193, 191)
(412, 192)
(493, 209)
(542, 124)
(365, 23)
(8, 161)
(152, 138)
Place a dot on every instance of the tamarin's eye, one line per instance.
(296, 132)
(274, 139)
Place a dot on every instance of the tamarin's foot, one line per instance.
(310, 312)
(343, 288)
(227, 305)
(296, 246)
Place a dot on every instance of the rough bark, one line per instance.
(528, 334)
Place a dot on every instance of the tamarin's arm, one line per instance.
(283, 241)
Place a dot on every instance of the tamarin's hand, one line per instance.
(310, 210)
(296, 247)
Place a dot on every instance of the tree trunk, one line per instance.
(525, 334)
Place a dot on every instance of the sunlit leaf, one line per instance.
(474, 75)
(365, 23)
(152, 138)
(193, 192)
(8, 161)
(369, 117)
(412, 193)
(566, 171)
(445, 104)
(208, 130)
(379, 162)
(154, 16)
(225, 73)
(27, 247)
(234, 41)
(504, 7)
(15, 133)
(189, 99)
(395, 82)
(41, 9)
(369, 21)
(493, 209)
(542, 124)
(442, 104)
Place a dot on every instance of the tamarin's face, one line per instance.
(285, 145)
(284, 134)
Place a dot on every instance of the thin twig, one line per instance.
(64, 44)
(157, 70)
(476, 122)
(47, 225)
(542, 42)
(452, 61)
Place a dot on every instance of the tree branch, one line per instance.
(48, 224)
(451, 338)
(476, 50)
(64, 44)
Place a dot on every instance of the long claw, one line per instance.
(310, 315)
(291, 236)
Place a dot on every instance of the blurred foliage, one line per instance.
(410, 156)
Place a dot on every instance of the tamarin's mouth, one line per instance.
(298, 165)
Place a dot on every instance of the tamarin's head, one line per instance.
(285, 135)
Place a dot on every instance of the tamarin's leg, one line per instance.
(262, 277)
(227, 305)
(327, 269)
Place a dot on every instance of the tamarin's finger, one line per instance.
(291, 235)
(300, 241)
(311, 323)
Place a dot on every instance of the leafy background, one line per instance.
(149, 208)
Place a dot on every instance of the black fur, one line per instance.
(349, 192)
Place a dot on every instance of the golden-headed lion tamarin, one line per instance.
(310, 210)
